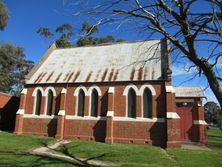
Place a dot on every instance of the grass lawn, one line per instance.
(143, 155)
(126, 155)
(201, 158)
(14, 152)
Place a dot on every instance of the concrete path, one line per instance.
(195, 147)
(50, 151)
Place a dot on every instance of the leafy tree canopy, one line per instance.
(13, 68)
(65, 32)
(3, 15)
(213, 114)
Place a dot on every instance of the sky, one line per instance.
(26, 16)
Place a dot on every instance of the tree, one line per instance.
(65, 32)
(13, 68)
(213, 114)
(183, 22)
(86, 35)
(3, 15)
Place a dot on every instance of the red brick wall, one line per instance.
(139, 132)
(39, 126)
(4, 99)
(86, 129)
(9, 105)
(124, 131)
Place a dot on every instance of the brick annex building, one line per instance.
(118, 93)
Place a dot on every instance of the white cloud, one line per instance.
(183, 70)
(210, 96)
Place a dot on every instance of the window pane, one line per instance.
(94, 103)
(147, 103)
(81, 103)
(132, 104)
(49, 103)
(38, 102)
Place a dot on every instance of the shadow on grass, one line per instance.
(213, 144)
(85, 162)
(11, 158)
(215, 136)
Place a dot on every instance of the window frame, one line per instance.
(78, 102)
(134, 101)
(149, 103)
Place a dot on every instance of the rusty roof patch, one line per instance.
(97, 75)
(140, 73)
(76, 76)
(145, 74)
(88, 77)
(50, 75)
(132, 74)
(42, 76)
(70, 76)
(111, 74)
(104, 74)
(116, 75)
(38, 77)
(153, 74)
(66, 77)
(58, 77)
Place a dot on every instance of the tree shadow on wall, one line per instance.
(160, 102)
(52, 126)
(158, 134)
(104, 104)
(99, 131)
(8, 114)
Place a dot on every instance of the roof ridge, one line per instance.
(110, 44)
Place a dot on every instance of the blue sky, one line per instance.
(26, 16)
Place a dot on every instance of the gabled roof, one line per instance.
(128, 61)
(189, 91)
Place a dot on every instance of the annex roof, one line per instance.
(189, 91)
(127, 61)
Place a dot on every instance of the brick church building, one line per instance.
(113, 93)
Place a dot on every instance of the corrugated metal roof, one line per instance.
(132, 61)
(189, 91)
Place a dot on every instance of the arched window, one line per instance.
(94, 103)
(131, 103)
(147, 103)
(49, 102)
(81, 103)
(38, 100)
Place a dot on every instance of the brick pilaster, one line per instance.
(62, 113)
(172, 119)
(20, 113)
(199, 123)
(110, 115)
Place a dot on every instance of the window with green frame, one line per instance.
(131, 103)
(49, 103)
(38, 101)
(147, 103)
(94, 103)
(81, 103)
